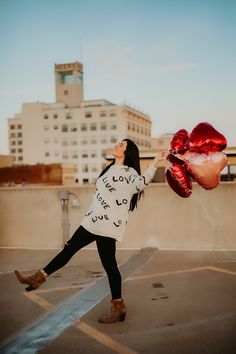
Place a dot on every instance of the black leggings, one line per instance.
(106, 248)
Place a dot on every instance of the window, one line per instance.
(19, 142)
(84, 141)
(113, 126)
(20, 150)
(112, 114)
(103, 126)
(104, 140)
(64, 142)
(47, 154)
(64, 128)
(68, 116)
(84, 155)
(88, 114)
(73, 128)
(13, 151)
(93, 154)
(113, 139)
(85, 168)
(12, 135)
(19, 126)
(46, 140)
(80, 78)
(45, 116)
(66, 77)
(65, 156)
(74, 142)
(12, 127)
(19, 135)
(84, 127)
(20, 158)
(65, 92)
(55, 116)
(13, 142)
(46, 127)
(74, 155)
(102, 114)
(56, 153)
(93, 126)
(93, 140)
(55, 127)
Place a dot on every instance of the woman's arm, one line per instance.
(138, 182)
(159, 157)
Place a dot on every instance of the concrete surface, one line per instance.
(32, 217)
(178, 302)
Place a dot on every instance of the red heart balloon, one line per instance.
(179, 180)
(205, 168)
(180, 141)
(205, 138)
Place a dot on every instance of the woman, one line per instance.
(118, 189)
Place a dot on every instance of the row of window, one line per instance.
(14, 142)
(14, 151)
(73, 154)
(83, 140)
(140, 142)
(19, 158)
(87, 114)
(139, 129)
(83, 127)
(15, 126)
(16, 135)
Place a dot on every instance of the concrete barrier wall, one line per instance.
(32, 218)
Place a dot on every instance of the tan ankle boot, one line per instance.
(118, 312)
(33, 280)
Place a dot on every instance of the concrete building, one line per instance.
(25, 175)
(6, 161)
(73, 130)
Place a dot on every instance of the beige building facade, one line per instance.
(72, 130)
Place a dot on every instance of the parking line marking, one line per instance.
(188, 270)
(221, 270)
(85, 328)
(58, 319)
(39, 301)
(103, 338)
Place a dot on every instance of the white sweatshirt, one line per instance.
(108, 213)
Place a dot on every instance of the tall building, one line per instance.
(73, 130)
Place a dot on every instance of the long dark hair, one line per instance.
(131, 160)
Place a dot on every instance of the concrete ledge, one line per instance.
(33, 218)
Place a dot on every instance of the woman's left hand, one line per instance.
(160, 157)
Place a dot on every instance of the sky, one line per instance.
(172, 59)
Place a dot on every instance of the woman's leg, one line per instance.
(107, 252)
(80, 239)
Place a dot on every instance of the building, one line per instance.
(25, 175)
(6, 161)
(73, 130)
